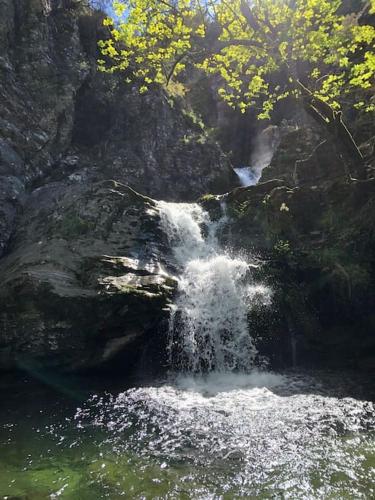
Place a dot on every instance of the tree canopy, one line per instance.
(262, 50)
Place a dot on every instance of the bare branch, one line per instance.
(223, 44)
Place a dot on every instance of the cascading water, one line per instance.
(209, 327)
(247, 176)
(193, 435)
(264, 146)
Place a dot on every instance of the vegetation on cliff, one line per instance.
(263, 52)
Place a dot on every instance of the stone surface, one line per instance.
(82, 255)
(296, 143)
(317, 245)
(59, 117)
(323, 165)
(84, 280)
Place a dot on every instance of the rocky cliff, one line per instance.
(313, 226)
(80, 271)
(84, 266)
(59, 117)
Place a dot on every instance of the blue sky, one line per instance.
(108, 6)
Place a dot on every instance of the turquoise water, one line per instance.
(263, 435)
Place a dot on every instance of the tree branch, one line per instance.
(248, 15)
(223, 44)
(172, 70)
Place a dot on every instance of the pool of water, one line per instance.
(261, 435)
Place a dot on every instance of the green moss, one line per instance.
(206, 198)
(282, 248)
(193, 119)
(237, 210)
(72, 225)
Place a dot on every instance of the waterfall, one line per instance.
(264, 146)
(208, 328)
(247, 176)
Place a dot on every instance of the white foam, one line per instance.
(209, 327)
(247, 176)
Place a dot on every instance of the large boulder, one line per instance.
(85, 282)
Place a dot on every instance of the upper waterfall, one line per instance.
(247, 176)
(209, 327)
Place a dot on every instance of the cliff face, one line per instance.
(59, 116)
(314, 228)
(65, 131)
(42, 66)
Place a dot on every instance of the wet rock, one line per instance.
(84, 280)
(323, 165)
(12, 193)
(317, 242)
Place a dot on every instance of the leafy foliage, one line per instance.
(264, 50)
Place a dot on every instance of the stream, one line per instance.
(262, 435)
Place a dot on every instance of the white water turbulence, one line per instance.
(247, 176)
(209, 327)
(264, 147)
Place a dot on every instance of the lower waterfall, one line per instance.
(209, 327)
(214, 427)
